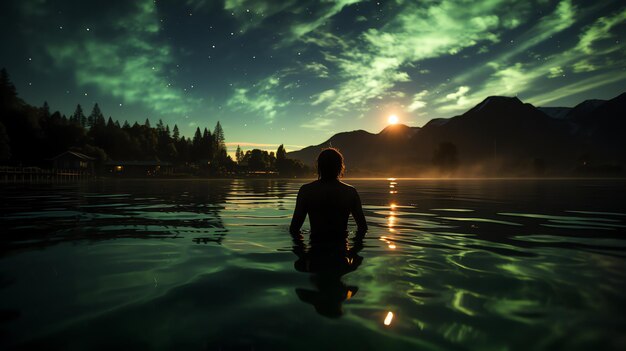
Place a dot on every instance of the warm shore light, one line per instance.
(389, 318)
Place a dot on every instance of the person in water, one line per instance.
(328, 202)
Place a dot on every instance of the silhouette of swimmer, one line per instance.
(328, 202)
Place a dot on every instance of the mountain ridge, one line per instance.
(499, 136)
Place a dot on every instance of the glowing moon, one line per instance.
(393, 119)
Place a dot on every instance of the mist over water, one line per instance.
(447, 264)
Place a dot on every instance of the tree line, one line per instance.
(30, 136)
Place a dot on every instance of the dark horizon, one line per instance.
(579, 141)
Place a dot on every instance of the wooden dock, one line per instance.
(40, 175)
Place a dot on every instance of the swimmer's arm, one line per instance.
(357, 214)
(299, 214)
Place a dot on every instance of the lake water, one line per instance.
(190, 264)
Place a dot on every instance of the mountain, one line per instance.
(500, 132)
(584, 109)
(555, 112)
(367, 152)
(602, 128)
(499, 136)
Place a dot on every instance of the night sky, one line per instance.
(296, 72)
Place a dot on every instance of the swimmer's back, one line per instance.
(328, 203)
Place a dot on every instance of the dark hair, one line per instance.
(330, 164)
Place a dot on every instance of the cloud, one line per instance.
(505, 78)
(378, 59)
(319, 69)
(458, 94)
(583, 66)
(563, 17)
(319, 123)
(252, 13)
(260, 100)
(323, 96)
(328, 10)
(509, 81)
(300, 18)
(599, 30)
(417, 101)
(119, 54)
(556, 72)
(577, 87)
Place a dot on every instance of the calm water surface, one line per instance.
(467, 265)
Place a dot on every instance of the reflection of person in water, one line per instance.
(328, 203)
(327, 263)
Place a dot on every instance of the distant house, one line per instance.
(139, 168)
(75, 161)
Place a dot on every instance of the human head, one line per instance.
(329, 164)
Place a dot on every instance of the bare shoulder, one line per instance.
(347, 187)
(308, 186)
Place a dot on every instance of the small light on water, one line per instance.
(389, 318)
(392, 246)
(393, 206)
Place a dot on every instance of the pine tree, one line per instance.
(238, 154)
(79, 117)
(160, 127)
(207, 144)
(196, 145)
(176, 132)
(147, 124)
(218, 137)
(96, 117)
(7, 89)
(197, 138)
(45, 110)
(281, 154)
(126, 125)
